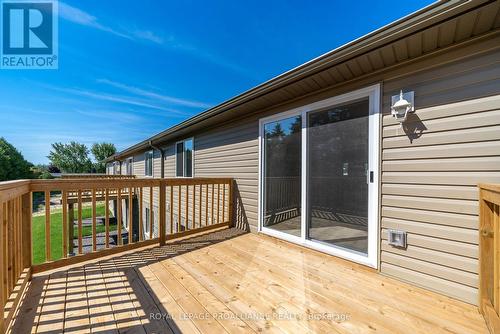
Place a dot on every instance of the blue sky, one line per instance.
(130, 69)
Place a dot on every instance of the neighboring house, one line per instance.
(319, 160)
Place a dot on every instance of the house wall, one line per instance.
(428, 172)
(232, 151)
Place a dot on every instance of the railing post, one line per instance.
(489, 255)
(231, 203)
(486, 252)
(3, 297)
(162, 199)
(27, 210)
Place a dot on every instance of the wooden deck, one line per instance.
(229, 281)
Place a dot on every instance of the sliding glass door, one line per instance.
(282, 146)
(337, 146)
(319, 175)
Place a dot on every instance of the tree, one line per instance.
(101, 151)
(296, 126)
(43, 171)
(13, 166)
(277, 131)
(70, 158)
(53, 169)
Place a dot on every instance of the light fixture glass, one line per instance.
(402, 107)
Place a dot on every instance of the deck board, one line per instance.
(101, 313)
(51, 312)
(232, 282)
(76, 318)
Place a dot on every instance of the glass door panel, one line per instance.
(337, 164)
(282, 159)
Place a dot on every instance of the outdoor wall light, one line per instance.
(402, 104)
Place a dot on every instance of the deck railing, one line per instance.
(96, 176)
(489, 255)
(176, 208)
(15, 246)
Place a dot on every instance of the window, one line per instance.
(146, 220)
(129, 165)
(184, 158)
(148, 159)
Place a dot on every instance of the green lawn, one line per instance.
(38, 232)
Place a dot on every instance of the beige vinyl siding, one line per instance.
(169, 162)
(138, 166)
(430, 170)
(232, 151)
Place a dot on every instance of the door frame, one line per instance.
(372, 258)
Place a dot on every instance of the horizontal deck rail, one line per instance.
(96, 176)
(489, 255)
(145, 211)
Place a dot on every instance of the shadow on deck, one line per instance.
(232, 281)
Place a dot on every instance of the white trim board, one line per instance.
(371, 259)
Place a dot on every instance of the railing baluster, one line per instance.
(151, 213)
(119, 216)
(71, 225)
(106, 217)
(19, 237)
(130, 216)
(64, 223)
(14, 223)
(231, 204)
(5, 249)
(19, 234)
(27, 208)
(187, 207)
(223, 202)
(141, 227)
(194, 206)
(171, 209)
(47, 226)
(212, 211)
(179, 209)
(162, 202)
(94, 221)
(218, 203)
(11, 246)
(199, 206)
(206, 206)
(80, 227)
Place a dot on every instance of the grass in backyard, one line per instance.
(38, 233)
